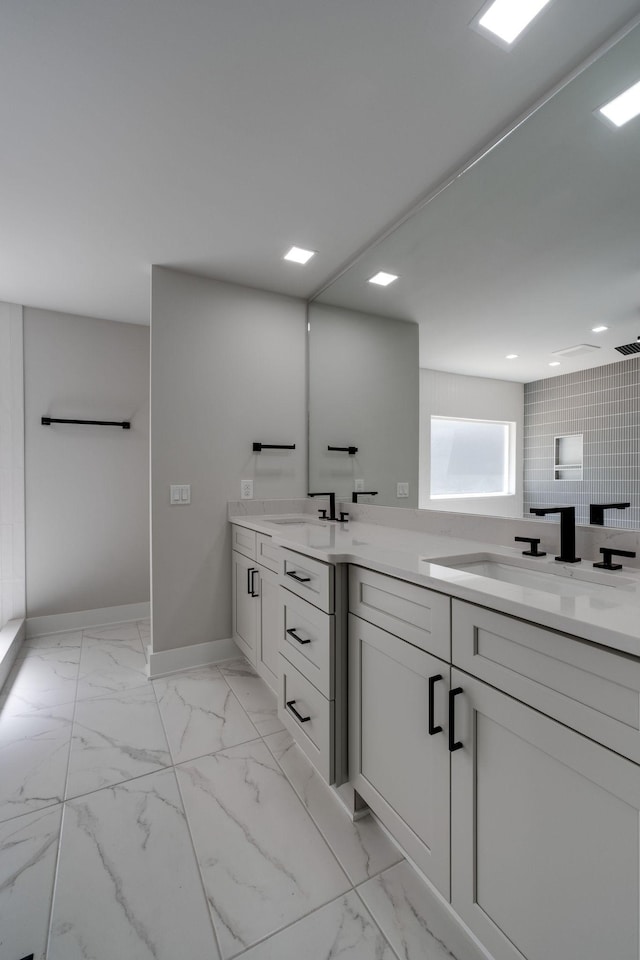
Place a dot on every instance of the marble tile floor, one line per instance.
(145, 820)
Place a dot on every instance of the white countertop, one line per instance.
(609, 617)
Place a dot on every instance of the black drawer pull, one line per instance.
(292, 709)
(432, 682)
(453, 745)
(294, 576)
(292, 633)
(250, 572)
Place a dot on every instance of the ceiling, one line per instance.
(211, 136)
(529, 249)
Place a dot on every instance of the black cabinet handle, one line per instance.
(292, 633)
(292, 709)
(432, 682)
(250, 572)
(294, 576)
(453, 745)
(253, 585)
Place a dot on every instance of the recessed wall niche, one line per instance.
(568, 457)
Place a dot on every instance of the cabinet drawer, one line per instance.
(309, 578)
(244, 541)
(594, 691)
(267, 553)
(413, 613)
(307, 639)
(314, 732)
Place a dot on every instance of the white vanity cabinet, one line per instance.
(545, 844)
(503, 756)
(398, 713)
(311, 695)
(255, 596)
(515, 790)
(398, 757)
(245, 607)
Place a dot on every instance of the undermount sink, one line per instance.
(548, 574)
(297, 521)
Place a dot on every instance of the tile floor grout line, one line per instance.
(341, 896)
(63, 810)
(382, 933)
(54, 885)
(304, 807)
(214, 753)
(210, 753)
(188, 826)
(26, 813)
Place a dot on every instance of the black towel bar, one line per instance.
(125, 424)
(257, 447)
(350, 450)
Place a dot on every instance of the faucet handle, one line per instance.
(343, 516)
(322, 514)
(608, 553)
(533, 546)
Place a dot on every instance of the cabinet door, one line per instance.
(245, 606)
(267, 651)
(396, 765)
(545, 834)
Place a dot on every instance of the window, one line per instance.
(472, 458)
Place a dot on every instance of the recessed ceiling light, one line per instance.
(511, 356)
(383, 279)
(508, 18)
(598, 329)
(554, 363)
(623, 108)
(299, 255)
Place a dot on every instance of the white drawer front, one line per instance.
(267, 553)
(413, 613)
(309, 578)
(597, 692)
(244, 541)
(307, 639)
(312, 728)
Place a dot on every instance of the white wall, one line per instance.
(12, 532)
(451, 395)
(227, 368)
(363, 392)
(87, 488)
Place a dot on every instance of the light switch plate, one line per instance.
(402, 490)
(246, 489)
(180, 494)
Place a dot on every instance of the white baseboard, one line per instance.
(163, 662)
(63, 622)
(11, 637)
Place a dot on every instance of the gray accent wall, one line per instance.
(363, 392)
(602, 404)
(227, 368)
(87, 487)
(12, 530)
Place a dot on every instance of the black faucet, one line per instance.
(607, 553)
(362, 493)
(332, 505)
(596, 511)
(567, 531)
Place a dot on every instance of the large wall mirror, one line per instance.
(478, 381)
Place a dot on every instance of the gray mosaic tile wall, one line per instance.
(602, 404)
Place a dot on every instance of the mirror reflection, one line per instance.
(520, 282)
